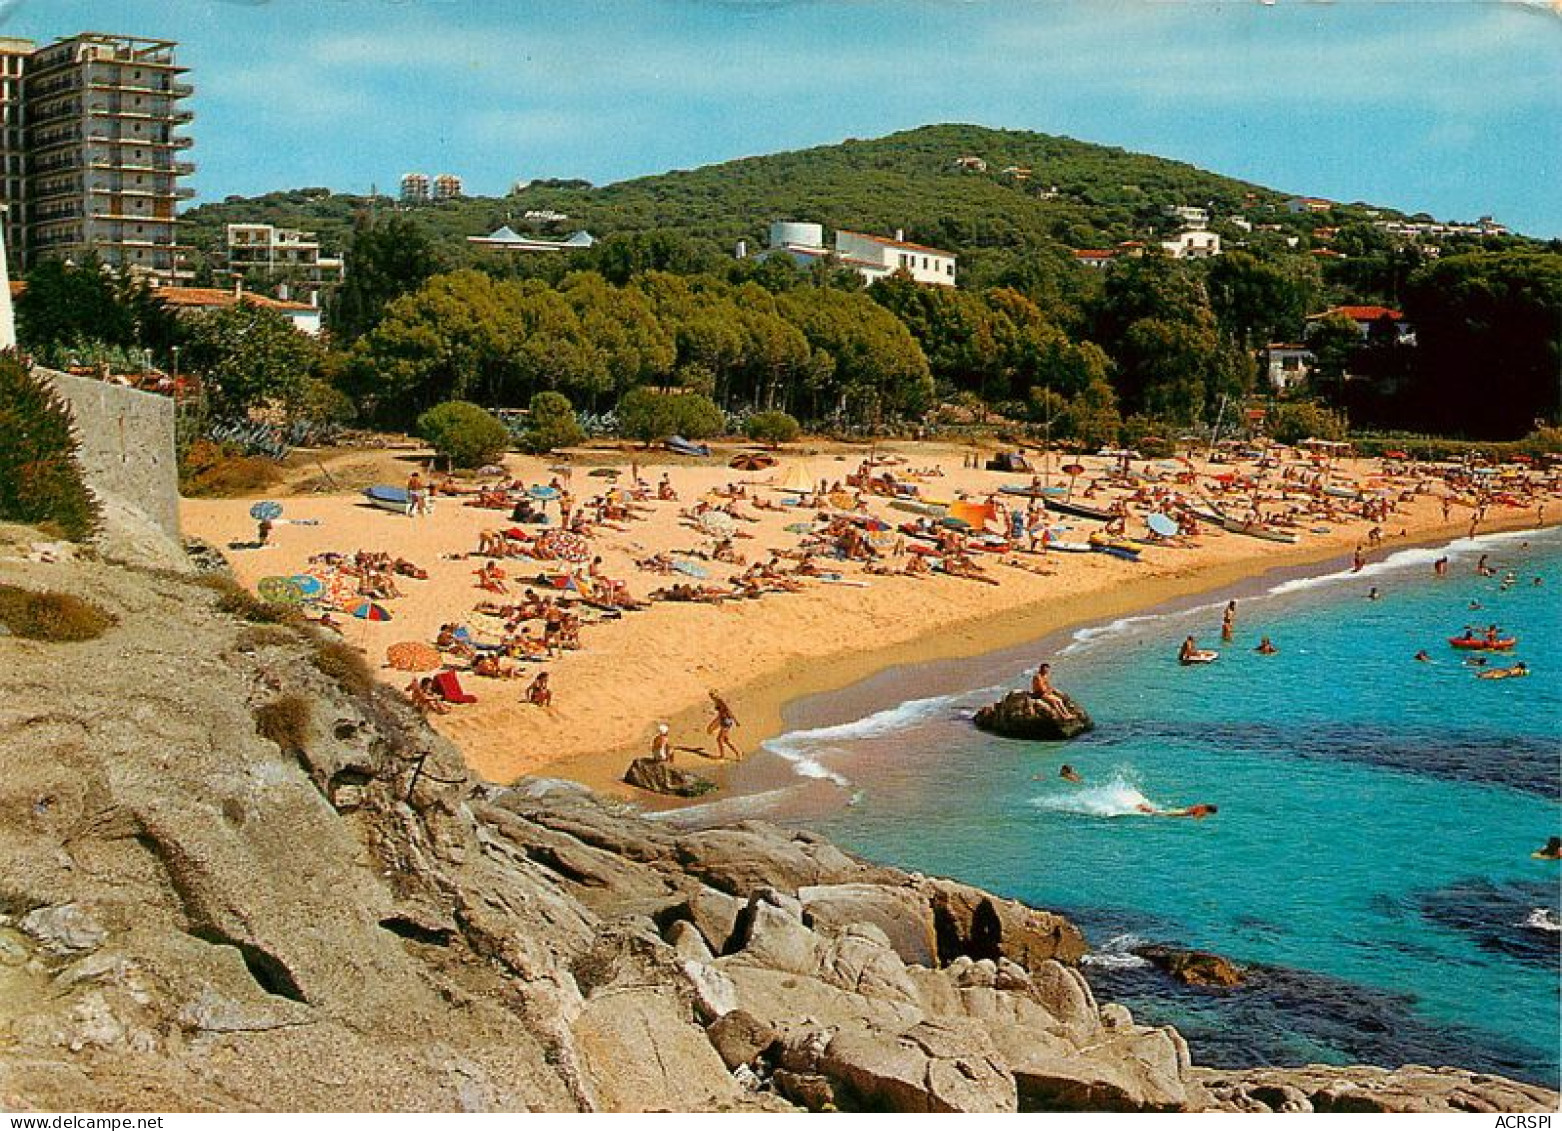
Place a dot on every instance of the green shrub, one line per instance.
(464, 434)
(40, 480)
(648, 415)
(237, 601)
(551, 424)
(211, 470)
(1292, 421)
(285, 721)
(772, 427)
(56, 617)
(346, 665)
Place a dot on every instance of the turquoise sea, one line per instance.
(1370, 860)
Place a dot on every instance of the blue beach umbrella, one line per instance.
(266, 511)
(310, 587)
(543, 493)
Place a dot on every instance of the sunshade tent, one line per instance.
(413, 656)
(798, 477)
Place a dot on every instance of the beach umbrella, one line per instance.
(267, 511)
(691, 569)
(1073, 469)
(751, 461)
(280, 590)
(605, 473)
(875, 524)
(543, 493)
(310, 587)
(563, 545)
(368, 610)
(413, 656)
(565, 581)
(1162, 525)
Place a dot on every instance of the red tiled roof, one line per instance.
(1363, 313)
(887, 242)
(1092, 254)
(218, 297)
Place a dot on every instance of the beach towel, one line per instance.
(450, 689)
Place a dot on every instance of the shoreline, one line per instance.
(660, 663)
(768, 699)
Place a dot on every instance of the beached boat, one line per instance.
(1078, 510)
(1117, 547)
(679, 446)
(1066, 547)
(1254, 530)
(919, 506)
(1032, 492)
(1481, 644)
(388, 498)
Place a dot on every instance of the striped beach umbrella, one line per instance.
(369, 610)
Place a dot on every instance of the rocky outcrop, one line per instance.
(1193, 967)
(656, 776)
(1325, 1088)
(193, 917)
(1018, 715)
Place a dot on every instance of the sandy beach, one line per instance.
(659, 663)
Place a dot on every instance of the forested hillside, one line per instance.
(1073, 192)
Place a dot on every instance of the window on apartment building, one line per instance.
(924, 263)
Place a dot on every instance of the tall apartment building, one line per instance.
(14, 54)
(414, 188)
(447, 186)
(93, 120)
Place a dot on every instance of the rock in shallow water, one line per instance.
(663, 777)
(1017, 715)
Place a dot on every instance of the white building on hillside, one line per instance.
(873, 257)
(1195, 243)
(507, 239)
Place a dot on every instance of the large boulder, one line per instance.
(1017, 715)
(656, 776)
(971, 922)
(1193, 967)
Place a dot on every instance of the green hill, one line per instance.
(1066, 191)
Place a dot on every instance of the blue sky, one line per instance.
(1449, 106)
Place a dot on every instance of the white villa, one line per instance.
(874, 257)
(1195, 243)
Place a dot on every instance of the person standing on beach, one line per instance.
(721, 726)
(1228, 622)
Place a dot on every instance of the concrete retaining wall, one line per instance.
(127, 446)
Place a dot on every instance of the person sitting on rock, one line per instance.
(1041, 688)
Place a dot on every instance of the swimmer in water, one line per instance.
(1422, 657)
(1551, 850)
(1266, 647)
(1197, 812)
(1068, 773)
